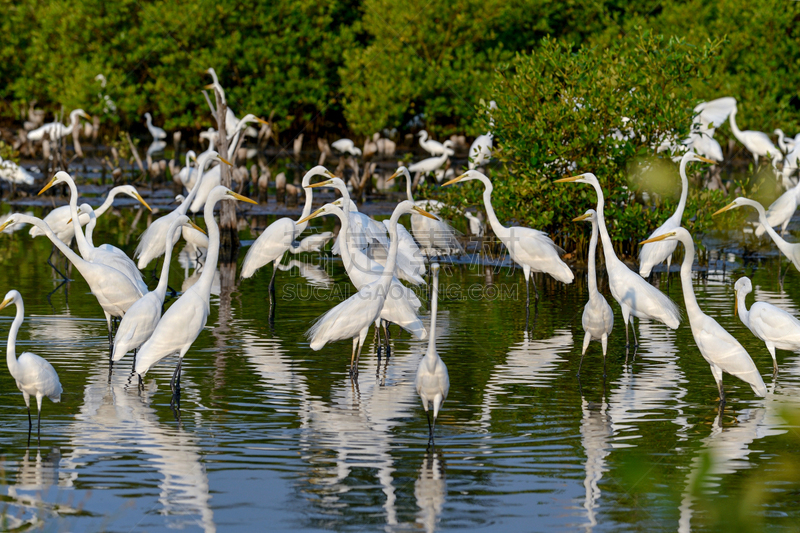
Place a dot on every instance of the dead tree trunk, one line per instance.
(228, 225)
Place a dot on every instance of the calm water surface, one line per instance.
(273, 436)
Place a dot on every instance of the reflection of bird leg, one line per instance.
(272, 310)
(430, 427)
(49, 262)
(50, 295)
(386, 339)
(376, 340)
(133, 366)
(721, 393)
(39, 426)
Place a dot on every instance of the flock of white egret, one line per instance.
(381, 260)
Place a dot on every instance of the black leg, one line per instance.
(581, 363)
(527, 302)
(175, 382)
(39, 425)
(386, 339)
(50, 262)
(430, 427)
(376, 339)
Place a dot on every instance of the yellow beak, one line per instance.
(729, 206)
(706, 160)
(567, 180)
(242, 198)
(320, 184)
(52, 182)
(225, 161)
(735, 302)
(454, 180)
(198, 228)
(659, 238)
(393, 176)
(262, 121)
(6, 224)
(209, 86)
(138, 197)
(7, 300)
(424, 213)
(582, 217)
(312, 215)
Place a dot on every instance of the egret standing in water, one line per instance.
(656, 253)
(33, 374)
(185, 319)
(635, 296)
(432, 381)
(717, 346)
(532, 249)
(777, 328)
(598, 317)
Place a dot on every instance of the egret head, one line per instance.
(691, 156)
(401, 170)
(589, 215)
(184, 221)
(86, 209)
(409, 207)
(678, 234)
(422, 133)
(79, 113)
(60, 177)
(220, 192)
(336, 183)
(179, 199)
(739, 202)
(466, 176)
(148, 117)
(191, 155)
(743, 285)
(131, 191)
(586, 177)
(12, 297)
(318, 170)
(10, 221)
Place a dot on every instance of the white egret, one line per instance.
(786, 144)
(401, 303)
(33, 374)
(708, 117)
(213, 177)
(780, 211)
(346, 146)
(151, 242)
(56, 130)
(192, 236)
(777, 328)
(432, 380)
(367, 234)
(432, 164)
(436, 237)
(790, 250)
(429, 145)
(635, 296)
(185, 319)
(230, 116)
(480, 152)
(187, 173)
(352, 318)
(656, 253)
(155, 131)
(118, 261)
(532, 249)
(757, 142)
(14, 173)
(142, 317)
(277, 239)
(312, 243)
(717, 346)
(115, 292)
(598, 318)
(57, 219)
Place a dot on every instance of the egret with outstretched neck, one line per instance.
(718, 347)
(432, 380)
(656, 253)
(598, 317)
(635, 296)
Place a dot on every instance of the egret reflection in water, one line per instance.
(430, 489)
(596, 432)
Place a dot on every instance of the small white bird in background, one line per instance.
(432, 381)
(14, 173)
(33, 374)
(656, 253)
(155, 131)
(346, 146)
(757, 143)
(56, 130)
(777, 328)
(780, 211)
(480, 152)
(718, 347)
(475, 224)
(598, 317)
(429, 145)
(786, 144)
(708, 117)
(532, 249)
(312, 243)
(432, 164)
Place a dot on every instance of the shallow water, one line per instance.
(274, 436)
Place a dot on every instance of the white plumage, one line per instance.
(716, 345)
(33, 374)
(432, 380)
(777, 328)
(312, 243)
(780, 211)
(597, 318)
(635, 296)
(14, 173)
(56, 130)
(657, 252)
(429, 145)
(757, 142)
(346, 146)
(155, 131)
